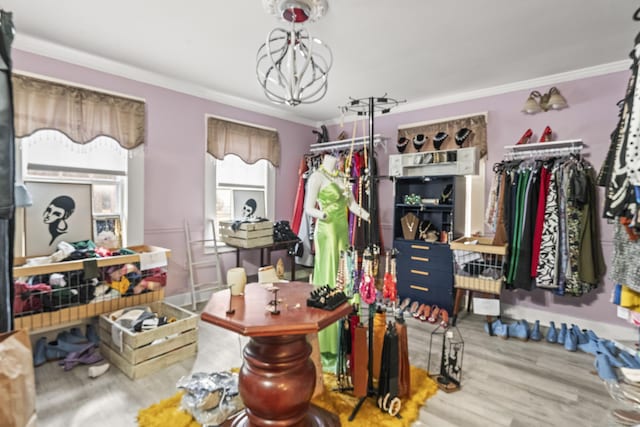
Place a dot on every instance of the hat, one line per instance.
(267, 274)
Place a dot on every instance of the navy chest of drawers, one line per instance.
(425, 272)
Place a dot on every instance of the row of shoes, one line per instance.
(70, 348)
(608, 355)
(428, 313)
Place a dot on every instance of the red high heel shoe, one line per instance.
(525, 138)
(546, 134)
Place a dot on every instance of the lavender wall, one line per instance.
(592, 116)
(174, 157)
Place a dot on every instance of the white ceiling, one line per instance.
(414, 50)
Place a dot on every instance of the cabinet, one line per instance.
(425, 268)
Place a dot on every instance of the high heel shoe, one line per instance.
(525, 137)
(546, 134)
(435, 314)
(571, 341)
(497, 328)
(444, 318)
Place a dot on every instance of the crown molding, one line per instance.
(56, 51)
(552, 79)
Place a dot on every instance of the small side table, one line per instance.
(276, 246)
(277, 377)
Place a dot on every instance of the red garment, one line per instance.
(27, 297)
(298, 206)
(545, 178)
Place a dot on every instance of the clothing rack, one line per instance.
(358, 143)
(368, 107)
(544, 149)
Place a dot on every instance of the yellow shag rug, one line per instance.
(166, 413)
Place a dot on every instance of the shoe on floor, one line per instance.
(535, 334)
(552, 333)
(40, 352)
(571, 342)
(562, 334)
(519, 330)
(581, 335)
(54, 352)
(497, 328)
(96, 371)
(76, 337)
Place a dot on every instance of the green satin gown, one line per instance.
(332, 236)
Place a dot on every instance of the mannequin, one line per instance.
(327, 200)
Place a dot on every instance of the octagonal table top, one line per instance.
(252, 317)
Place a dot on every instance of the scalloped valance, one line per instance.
(81, 114)
(247, 142)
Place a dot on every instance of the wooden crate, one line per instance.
(136, 358)
(248, 234)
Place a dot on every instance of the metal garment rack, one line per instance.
(543, 149)
(359, 142)
(369, 107)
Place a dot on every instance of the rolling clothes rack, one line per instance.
(368, 107)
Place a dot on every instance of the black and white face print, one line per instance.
(249, 209)
(56, 215)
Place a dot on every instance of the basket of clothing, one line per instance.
(478, 264)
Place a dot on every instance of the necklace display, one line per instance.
(422, 230)
(409, 226)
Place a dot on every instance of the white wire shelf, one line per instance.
(358, 143)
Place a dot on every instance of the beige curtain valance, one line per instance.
(247, 142)
(477, 138)
(81, 114)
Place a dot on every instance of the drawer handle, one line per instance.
(420, 288)
(426, 248)
(422, 273)
(417, 258)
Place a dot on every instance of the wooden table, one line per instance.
(277, 377)
(275, 246)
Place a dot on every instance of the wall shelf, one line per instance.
(550, 148)
(358, 143)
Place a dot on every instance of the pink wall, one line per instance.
(592, 116)
(174, 156)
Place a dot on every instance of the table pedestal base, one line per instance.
(316, 417)
(276, 382)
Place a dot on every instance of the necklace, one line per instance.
(410, 221)
(462, 135)
(333, 174)
(422, 232)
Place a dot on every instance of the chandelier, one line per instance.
(292, 66)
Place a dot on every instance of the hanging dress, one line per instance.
(331, 237)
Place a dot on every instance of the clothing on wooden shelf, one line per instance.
(546, 211)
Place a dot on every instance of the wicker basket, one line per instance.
(478, 264)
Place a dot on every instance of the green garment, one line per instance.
(332, 236)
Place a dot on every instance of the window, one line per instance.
(49, 155)
(235, 189)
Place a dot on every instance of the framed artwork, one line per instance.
(248, 204)
(107, 232)
(60, 212)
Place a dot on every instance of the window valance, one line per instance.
(247, 142)
(82, 114)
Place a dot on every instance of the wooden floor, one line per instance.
(505, 383)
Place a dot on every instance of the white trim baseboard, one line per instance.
(603, 330)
